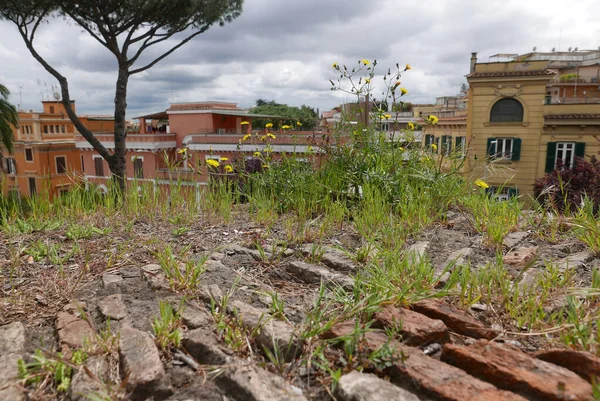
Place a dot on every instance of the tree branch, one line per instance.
(64, 85)
(151, 64)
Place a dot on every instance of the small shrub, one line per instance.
(563, 189)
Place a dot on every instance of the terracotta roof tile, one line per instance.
(573, 116)
(500, 74)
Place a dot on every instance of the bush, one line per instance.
(564, 189)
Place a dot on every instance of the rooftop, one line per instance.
(499, 74)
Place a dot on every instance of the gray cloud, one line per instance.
(283, 50)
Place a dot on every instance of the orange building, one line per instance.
(45, 159)
(206, 130)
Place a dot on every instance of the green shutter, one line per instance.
(580, 149)
(427, 140)
(550, 156)
(516, 149)
(513, 192)
(489, 146)
(457, 142)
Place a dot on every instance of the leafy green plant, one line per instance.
(166, 327)
(50, 367)
(183, 276)
(77, 231)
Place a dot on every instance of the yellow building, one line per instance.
(524, 115)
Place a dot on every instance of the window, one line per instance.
(11, 166)
(82, 164)
(504, 148)
(99, 166)
(460, 145)
(29, 154)
(212, 157)
(563, 154)
(61, 165)
(429, 140)
(503, 193)
(45, 129)
(507, 110)
(63, 129)
(446, 145)
(51, 109)
(63, 191)
(138, 167)
(32, 188)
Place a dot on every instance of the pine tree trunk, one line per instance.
(117, 162)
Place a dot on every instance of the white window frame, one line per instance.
(505, 152)
(462, 147)
(212, 157)
(502, 194)
(95, 172)
(32, 157)
(564, 147)
(133, 159)
(11, 166)
(56, 163)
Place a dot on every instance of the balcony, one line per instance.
(134, 141)
(571, 100)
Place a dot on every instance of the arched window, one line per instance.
(507, 110)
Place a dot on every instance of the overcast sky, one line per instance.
(284, 49)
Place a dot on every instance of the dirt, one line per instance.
(35, 291)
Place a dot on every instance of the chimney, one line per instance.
(473, 61)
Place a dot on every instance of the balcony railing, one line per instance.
(571, 100)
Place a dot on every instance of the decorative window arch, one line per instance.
(507, 110)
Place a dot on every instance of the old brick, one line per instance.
(356, 386)
(511, 369)
(12, 347)
(417, 329)
(585, 364)
(142, 365)
(313, 274)
(251, 383)
(271, 332)
(196, 316)
(203, 345)
(428, 375)
(520, 257)
(456, 320)
(513, 239)
(73, 331)
(113, 307)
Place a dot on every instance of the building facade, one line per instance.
(45, 159)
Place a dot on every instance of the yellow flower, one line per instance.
(335, 65)
(269, 125)
(224, 159)
(365, 61)
(481, 184)
(433, 120)
(262, 138)
(246, 137)
(245, 122)
(256, 154)
(182, 151)
(286, 127)
(401, 149)
(213, 163)
(309, 149)
(228, 169)
(367, 81)
(408, 67)
(411, 126)
(404, 91)
(265, 166)
(270, 135)
(387, 116)
(433, 146)
(298, 123)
